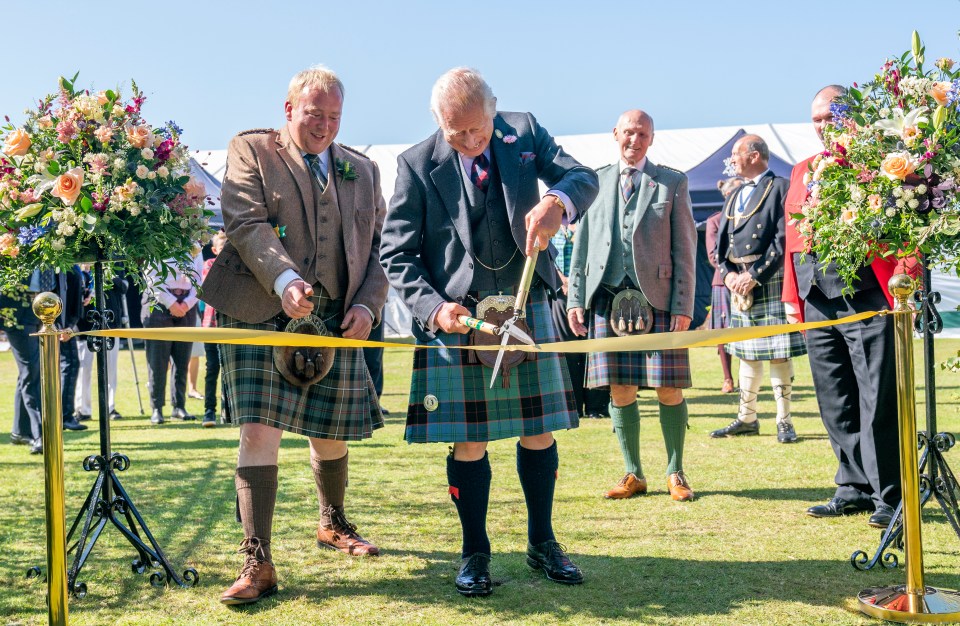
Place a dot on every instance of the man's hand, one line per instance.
(741, 283)
(446, 318)
(296, 299)
(564, 283)
(357, 323)
(543, 221)
(679, 323)
(575, 319)
(178, 309)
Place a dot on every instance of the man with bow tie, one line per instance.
(633, 269)
(466, 211)
(302, 215)
(750, 258)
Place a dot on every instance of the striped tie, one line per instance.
(313, 160)
(480, 172)
(627, 186)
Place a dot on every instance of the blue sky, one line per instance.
(218, 68)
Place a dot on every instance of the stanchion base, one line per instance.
(934, 606)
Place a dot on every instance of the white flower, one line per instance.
(134, 209)
(908, 194)
(885, 112)
(67, 230)
(921, 189)
(915, 86)
(119, 164)
(58, 244)
(914, 203)
(890, 212)
(151, 175)
(142, 171)
(903, 126)
(901, 203)
(146, 153)
(162, 171)
(897, 192)
(856, 194)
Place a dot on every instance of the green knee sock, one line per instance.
(626, 423)
(673, 423)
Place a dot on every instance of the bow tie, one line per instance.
(750, 183)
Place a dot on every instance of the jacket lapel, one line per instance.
(645, 191)
(506, 158)
(290, 154)
(449, 183)
(346, 196)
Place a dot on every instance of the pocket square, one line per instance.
(527, 156)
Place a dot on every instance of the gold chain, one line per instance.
(497, 269)
(760, 204)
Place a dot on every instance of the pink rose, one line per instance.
(104, 134)
(17, 143)
(67, 186)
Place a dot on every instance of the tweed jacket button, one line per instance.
(747, 246)
(759, 226)
(754, 235)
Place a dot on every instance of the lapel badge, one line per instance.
(430, 402)
(498, 133)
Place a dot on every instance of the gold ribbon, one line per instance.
(659, 341)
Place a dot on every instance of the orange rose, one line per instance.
(67, 186)
(139, 136)
(17, 143)
(898, 165)
(939, 92)
(195, 189)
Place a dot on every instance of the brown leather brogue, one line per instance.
(679, 487)
(628, 487)
(343, 536)
(257, 580)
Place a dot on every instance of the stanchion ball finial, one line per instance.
(47, 307)
(901, 287)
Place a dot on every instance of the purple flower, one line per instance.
(29, 234)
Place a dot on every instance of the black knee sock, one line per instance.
(470, 491)
(538, 475)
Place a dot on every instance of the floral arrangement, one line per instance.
(887, 181)
(86, 177)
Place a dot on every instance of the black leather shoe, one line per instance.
(20, 440)
(836, 507)
(115, 416)
(474, 576)
(36, 446)
(73, 424)
(180, 414)
(157, 417)
(81, 417)
(593, 415)
(551, 557)
(881, 517)
(786, 433)
(737, 428)
(209, 418)
(384, 410)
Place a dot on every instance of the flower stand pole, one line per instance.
(936, 478)
(912, 602)
(108, 501)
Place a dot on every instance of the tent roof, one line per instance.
(213, 191)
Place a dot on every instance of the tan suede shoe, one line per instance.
(628, 487)
(257, 580)
(679, 487)
(343, 536)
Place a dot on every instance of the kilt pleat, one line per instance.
(719, 307)
(767, 310)
(539, 399)
(647, 369)
(343, 405)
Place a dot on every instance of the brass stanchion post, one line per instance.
(913, 602)
(47, 307)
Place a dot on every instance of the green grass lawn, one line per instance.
(742, 553)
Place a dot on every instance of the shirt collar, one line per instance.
(466, 162)
(639, 166)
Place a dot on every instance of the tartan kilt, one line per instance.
(647, 368)
(343, 405)
(719, 307)
(767, 310)
(539, 399)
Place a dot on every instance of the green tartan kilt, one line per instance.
(539, 399)
(343, 405)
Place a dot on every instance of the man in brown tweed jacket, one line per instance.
(303, 217)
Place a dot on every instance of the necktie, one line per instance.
(313, 161)
(627, 186)
(480, 172)
(48, 280)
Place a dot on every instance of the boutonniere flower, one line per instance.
(346, 170)
(509, 138)
(280, 230)
(651, 184)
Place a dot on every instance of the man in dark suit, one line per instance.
(302, 215)
(750, 262)
(638, 240)
(466, 211)
(851, 363)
